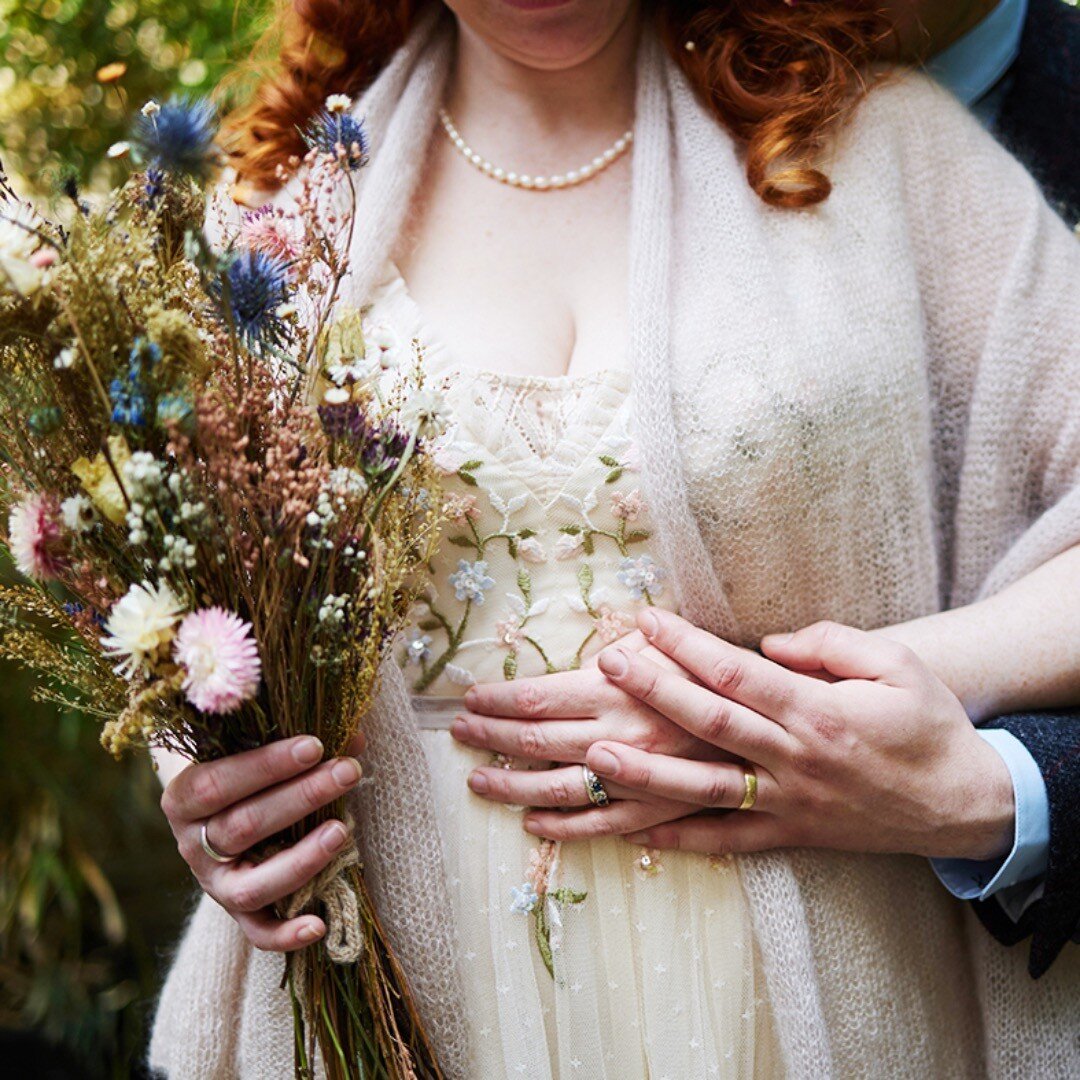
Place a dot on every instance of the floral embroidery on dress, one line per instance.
(608, 578)
(536, 898)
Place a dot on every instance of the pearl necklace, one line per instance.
(536, 183)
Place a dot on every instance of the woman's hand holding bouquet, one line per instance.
(246, 799)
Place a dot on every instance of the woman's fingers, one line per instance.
(532, 740)
(613, 820)
(249, 887)
(566, 694)
(200, 791)
(707, 714)
(735, 673)
(242, 825)
(716, 834)
(270, 934)
(563, 787)
(700, 783)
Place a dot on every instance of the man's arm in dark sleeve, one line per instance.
(1053, 739)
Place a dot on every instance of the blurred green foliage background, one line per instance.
(92, 891)
(54, 113)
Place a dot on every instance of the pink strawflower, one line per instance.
(35, 538)
(270, 230)
(220, 660)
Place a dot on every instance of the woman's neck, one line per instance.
(531, 119)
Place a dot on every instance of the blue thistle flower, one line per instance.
(378, 445)
(251, 289)
(177, 137)
(328, 131)
(129, 401)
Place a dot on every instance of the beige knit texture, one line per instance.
(866, 412)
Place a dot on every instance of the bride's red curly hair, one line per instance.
(779, 76)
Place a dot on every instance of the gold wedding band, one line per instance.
(750, 796)
(212, 851)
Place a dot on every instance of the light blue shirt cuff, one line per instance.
(972, 65)
(970, 879)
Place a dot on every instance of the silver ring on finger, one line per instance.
(594, 787)
(212, 851)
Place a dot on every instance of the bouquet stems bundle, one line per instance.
(218, 487)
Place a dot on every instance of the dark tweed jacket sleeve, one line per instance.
(1052, 921)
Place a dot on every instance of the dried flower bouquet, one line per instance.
(218, 488)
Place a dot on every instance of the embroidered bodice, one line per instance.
(546, 555)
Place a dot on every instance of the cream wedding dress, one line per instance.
(585, 959)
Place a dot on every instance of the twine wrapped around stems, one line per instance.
(344, 940)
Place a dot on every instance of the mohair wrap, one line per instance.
(865, 412)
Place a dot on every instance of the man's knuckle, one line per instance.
(237, 829)
(246, 898)
(640, 776)
(717, 720)
(188, 847)
(499, 784)
(649, 680)
(601, 825)
(719, 789)
(643, 735)
(168, 802)
(726, 674)
(827, 726)
(721, 844)
(807, 762)
(315, 788)
(306, 861)
(271, 761)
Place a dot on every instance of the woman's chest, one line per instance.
(525, 282)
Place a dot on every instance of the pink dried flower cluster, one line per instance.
(270, 230)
